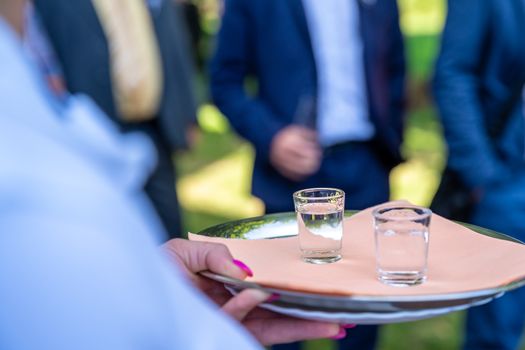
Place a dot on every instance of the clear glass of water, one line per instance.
(320, 219)
(401, 235)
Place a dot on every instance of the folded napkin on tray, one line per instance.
(459, 260)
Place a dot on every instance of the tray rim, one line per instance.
(369, 317)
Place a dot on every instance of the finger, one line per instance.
(295, 156)
(309, 165)
(219, 296)
(302, 167)
(314, 152)
(202, 256)
(293, 172)
(260, 313)
(288, 160)
(287, 330)
(293, 142)
(209, 286)
(240, 305)
(302, 154)
(294, 166)
(301, 149)
(286, 169)
(306, 138)
(306, 133)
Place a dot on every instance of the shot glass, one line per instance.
(401, 235)
(320, 214)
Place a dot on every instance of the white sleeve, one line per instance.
(62, 287)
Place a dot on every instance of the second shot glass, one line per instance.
(402, 235)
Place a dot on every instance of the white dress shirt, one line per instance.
(342, 113)
(80, 266)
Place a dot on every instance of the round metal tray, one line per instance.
(276, 226)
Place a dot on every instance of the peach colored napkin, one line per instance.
(459, 260)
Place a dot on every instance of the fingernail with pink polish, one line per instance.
(273, 298)
(243, 267)
(340, 335)
(349, 325)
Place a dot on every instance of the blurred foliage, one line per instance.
(442, 333)
(422, 17)
(214, 178)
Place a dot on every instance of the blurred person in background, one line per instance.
(479, 80)
(328, 105)
(133, 59)
(192, 16)
(80, 266)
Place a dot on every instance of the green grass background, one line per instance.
(214, 177)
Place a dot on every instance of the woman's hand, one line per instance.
(268, 327)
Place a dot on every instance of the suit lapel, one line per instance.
(299, 17)
(89, 17)
(365, 28)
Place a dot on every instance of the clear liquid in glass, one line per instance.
(401, 255)
(320, 232)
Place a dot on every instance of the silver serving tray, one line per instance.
(277, 226)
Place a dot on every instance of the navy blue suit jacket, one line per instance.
(478, 85)
(269, 40)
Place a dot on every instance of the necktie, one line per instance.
(136, 68)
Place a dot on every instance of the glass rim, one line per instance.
(379, 213)
(339, 193)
